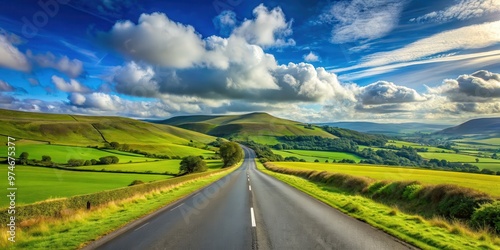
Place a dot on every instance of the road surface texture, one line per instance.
(249, 210)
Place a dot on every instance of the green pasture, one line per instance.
(486, 183)
(311, 155)
(157, 166)
(37, 183)
(61, 154)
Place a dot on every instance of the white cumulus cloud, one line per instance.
(71, 67)
(268, 28)
(311, 57)
(71, 86)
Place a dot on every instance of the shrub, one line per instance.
(487, 214)
(46, 158)
(136, 182)
(75, 162)
(411, 191)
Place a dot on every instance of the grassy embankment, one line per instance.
(485, 183)
(426, 233)
(75, 228)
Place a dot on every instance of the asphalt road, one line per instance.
(249, 210)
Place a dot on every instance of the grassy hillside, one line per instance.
(388, 128)
(96, 130)
(483, 127)
(260, 127)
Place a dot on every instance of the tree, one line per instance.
(231, 153)
(46, 158)
(125, 147)
(106, 160)
(494, 156)
(191, 164)
(23, 158)
(477, 160)
(114, 145)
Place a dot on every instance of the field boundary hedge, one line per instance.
(57, 207)
(444, 200)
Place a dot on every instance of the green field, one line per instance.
(172, 149)
(490, 166)
(453, 157)
(37, 184)
(400, 144)
(160, 166)
(486, 183)
(311, 155)
(61, 154)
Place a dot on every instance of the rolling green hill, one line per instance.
(78, 130)
(488, 127)
(259, 127)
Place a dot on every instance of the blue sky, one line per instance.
(312, 61)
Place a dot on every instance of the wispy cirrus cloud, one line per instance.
(468, 37)
(362, 20)
(476, 58)
(463, 10)
(11, 57)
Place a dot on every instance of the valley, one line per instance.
(71, 157)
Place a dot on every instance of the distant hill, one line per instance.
(388, 128)
(95, 131)
(260, 127)
(481, 127)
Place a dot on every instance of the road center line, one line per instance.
(253, 217)
(141, 226)
(249, 188)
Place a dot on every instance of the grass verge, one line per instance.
(426, 234)
(79, 227)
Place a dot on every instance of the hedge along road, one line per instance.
(250, 210)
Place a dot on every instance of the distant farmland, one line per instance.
(322, 156)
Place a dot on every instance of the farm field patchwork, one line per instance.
(157, 166)
(172, 149)
(453, 157)
(400, 144)
(61, 154)
(490, 166)
(486, 183)
(311, 155)
(37, 183)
